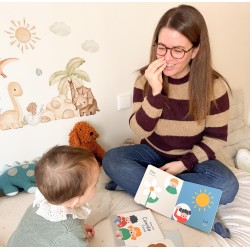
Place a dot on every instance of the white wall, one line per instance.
(123, 32)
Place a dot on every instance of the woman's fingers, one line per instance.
(156, 65)
(154, 75)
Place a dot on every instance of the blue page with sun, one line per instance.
(185, 202)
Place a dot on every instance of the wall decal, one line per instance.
(60, 107)
(32, 118)
(12, 118)
(73, 98)
(60, 29)
(22, 34)
(39, 72)
(3, 63)
(1, 106)
(85, 101)
(90, 46)
(82, 101)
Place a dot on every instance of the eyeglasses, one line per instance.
(176, 52)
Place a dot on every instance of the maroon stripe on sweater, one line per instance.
(144, 121)
(210, 153)
(217, 132)
(176, 110)
(167, 143)
(189, 160)
(157, 101)
(138, 95)
(179, 81)
(222, 105)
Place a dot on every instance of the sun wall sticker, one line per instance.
(23, 35)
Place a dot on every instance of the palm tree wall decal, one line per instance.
(70, 78)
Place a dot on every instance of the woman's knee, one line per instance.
(230, 190)
(111, 157)
(114, 153)
(107, 158)
(229, 183)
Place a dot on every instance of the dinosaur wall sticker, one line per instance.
(12, 118)
(3, 63)
(73, 99)
(73, 79)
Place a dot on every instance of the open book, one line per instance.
(137, 228)
(188, 203)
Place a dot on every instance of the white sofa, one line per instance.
(236, 215)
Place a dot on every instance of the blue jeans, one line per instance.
(126, 166)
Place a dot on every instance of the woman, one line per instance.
(180, 112)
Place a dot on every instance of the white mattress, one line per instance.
(236, 216)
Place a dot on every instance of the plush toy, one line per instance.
(243, 159)
(18, 178)
(84, 135)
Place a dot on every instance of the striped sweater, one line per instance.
(168, 131)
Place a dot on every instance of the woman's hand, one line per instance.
(154, 75)
(174, 168)
(89, 231)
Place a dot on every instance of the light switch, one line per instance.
(124, 101)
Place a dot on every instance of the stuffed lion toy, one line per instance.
(83, 135)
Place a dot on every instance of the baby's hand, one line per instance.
(89, 231)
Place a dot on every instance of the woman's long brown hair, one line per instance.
(189, 22)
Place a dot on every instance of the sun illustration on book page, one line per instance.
(151, 190)
(202, 200)
(23, 34)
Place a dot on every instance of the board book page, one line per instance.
(185, 202)
(137, 228)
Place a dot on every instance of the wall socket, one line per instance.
(124, 101)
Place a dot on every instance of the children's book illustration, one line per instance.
(151, 191)
(135, 228)
(171, 239)
(122, 221)
(182, 213)
(185, 202)
(171, 188)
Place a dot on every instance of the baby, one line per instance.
(66, 178)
